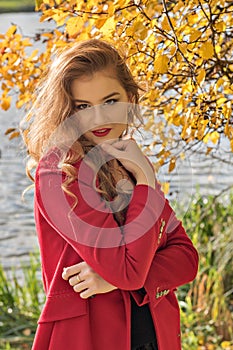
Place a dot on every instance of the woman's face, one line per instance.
(102, 104)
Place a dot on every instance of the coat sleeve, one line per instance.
(173, 265)
(175, 262)
(123, 256)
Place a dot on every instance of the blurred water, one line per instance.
(17, 231)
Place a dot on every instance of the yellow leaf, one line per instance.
(14, 134)
(108, 27)
(209, 149)
(6, 102)
(20, 103)
(199, 61)
(165, 187)
(220, 26)
(214, 137)
(38, 4)
(140, 29)
(172, 164)
(172, 50)
(9, 131)
(60, 18)
(207, 50)
(195, 34)
(201, 76)
(122, 3)
(72, 2)
(33, 56)
(183, 48)
(74, 25)
(161, 64)
(219, 83)
(231, 142)
(26, 42)
(178, 6)
(111, 9)
(193, 18)
(188, 87)
(218, 48)
(182, 156)
(47, 15)
(12, 30)
(51, 3)
(165, 24)
(100, 22)
(221, 101)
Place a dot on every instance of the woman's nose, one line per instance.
(100, 115)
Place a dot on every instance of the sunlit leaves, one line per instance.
(207, 50)
(12, 30)
(5, 102)
(108, 27)
(179, 51)
(161, 64)
(201, 76)
(74, 25)
(12, 132)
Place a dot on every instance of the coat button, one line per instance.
(163, 223)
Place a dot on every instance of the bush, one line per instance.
(207, 303)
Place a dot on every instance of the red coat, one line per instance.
(152, 251)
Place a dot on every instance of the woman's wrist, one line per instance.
(143, 179)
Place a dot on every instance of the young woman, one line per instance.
(112, 250)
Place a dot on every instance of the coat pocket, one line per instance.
(63, 306)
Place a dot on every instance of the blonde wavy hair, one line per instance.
(53, 104)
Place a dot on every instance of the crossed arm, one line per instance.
(151, 250)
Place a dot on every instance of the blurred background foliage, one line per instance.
(15, 5)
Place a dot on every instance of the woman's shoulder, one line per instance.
(54, 158)
(52, 162)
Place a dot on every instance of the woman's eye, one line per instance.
(111, 101)
(82, 106)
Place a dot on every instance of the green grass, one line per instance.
(20, 305)
(16, 5)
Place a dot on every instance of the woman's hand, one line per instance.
(132, 158)
(85, 280)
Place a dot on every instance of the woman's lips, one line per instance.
(101, 132)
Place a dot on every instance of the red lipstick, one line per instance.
(101, 132)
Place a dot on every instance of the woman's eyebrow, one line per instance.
(104, 98)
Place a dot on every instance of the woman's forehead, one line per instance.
(96, 86)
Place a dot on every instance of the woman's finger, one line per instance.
(118, 144)
(71, 270)
(87, 293)
(113, 151)
(80, 287)
(75, 279)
